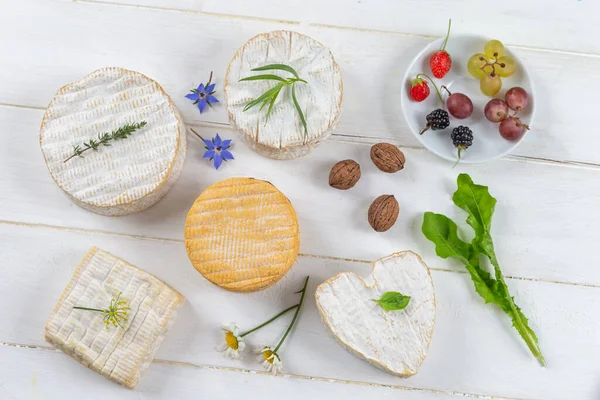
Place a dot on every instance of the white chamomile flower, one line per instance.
(269, 359)
(234, 343)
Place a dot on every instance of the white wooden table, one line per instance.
(546, 223)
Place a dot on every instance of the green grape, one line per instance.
(475, 64)
(493, 49)
(509, 68)
(490, 84)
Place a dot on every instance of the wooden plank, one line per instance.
(532, 23)
(332, 222)
(38, 374)
(180, 49)
(474, 348)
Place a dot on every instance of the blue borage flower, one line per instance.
(203, 95)
(217, 150)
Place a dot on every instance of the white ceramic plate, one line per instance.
(487, 142)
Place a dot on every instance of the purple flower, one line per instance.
(203, 95)
(217, 150)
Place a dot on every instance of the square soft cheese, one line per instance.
(119, 354)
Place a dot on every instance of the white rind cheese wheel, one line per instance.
(242, 234)
(120, 354)
(283, 135)
(395, 341)
(133, 173)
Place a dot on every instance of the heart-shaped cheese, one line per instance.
(396, 341)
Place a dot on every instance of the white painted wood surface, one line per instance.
(545, 225)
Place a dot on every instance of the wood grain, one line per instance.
(543, 227)
(473, 350)
(39, 374)
(515, 22)
(180, 49)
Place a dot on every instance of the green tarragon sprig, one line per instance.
(269, 97)
(443, 232)
(105, 138)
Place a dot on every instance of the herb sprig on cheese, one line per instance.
(269, 97)
(105, 138)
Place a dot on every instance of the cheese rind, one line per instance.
(242, 234)
(395, 341)
(133, 173)
(119, 354)
(283, 135)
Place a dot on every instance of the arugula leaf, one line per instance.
(391, 301)
(443, 232)
(281, 67)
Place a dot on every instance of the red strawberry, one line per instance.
(419, 89)
(441, 62)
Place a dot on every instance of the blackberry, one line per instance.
(462, 138)
(436, 120)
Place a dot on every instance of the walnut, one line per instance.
(344, 174)
(383, 212)
(387, 157)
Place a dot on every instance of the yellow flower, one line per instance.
(117, 312)
(234, 344)
(269, 359)
(114, 314)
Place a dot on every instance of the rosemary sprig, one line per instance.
(269, 97)
(105, 138)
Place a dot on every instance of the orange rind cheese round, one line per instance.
(242, 234)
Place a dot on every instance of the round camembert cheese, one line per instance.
(131, 174)
(395, 341)
(242, 234)
(283, 135)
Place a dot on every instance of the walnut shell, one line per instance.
(387, 157)
(344, 174)
(383, 212)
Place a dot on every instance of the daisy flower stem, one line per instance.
(271, 320)
(289, 329)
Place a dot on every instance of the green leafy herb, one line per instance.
(393, 301)
(114, 314)
(105, 138)
(269, 97)
(443, 232)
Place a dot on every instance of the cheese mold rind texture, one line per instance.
(242, 234)
(283, 135)
(119, 354)
(133, 173)
(395, 341)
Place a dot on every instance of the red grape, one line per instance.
(517, 98)
(459, 105)
(496, 110)
(511, 129)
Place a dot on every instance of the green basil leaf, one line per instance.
(280, 67)
(263, 78)
(391, 301)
